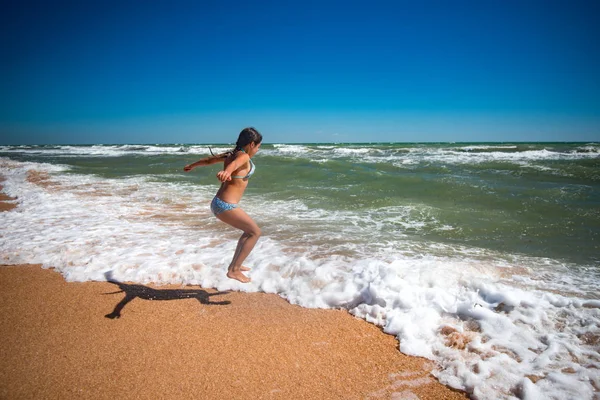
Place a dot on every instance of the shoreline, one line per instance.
(4, 199)
(67, 340)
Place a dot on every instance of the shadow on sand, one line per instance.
(146, 293)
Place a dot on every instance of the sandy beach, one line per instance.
(58, 343)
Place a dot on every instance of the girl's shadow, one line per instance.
(144, 292)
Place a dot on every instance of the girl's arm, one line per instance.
(201, 163)
(240, 160)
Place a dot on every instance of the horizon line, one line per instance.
(303, 143)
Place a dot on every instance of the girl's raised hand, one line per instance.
(223, 176)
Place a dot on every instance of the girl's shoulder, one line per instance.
(240, 155)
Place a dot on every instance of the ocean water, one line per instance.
(482, 257)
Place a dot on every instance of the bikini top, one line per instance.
(250, 173)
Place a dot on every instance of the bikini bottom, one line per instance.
(217, 206)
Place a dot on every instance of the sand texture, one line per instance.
(189, 342)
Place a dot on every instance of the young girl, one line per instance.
(238, 168)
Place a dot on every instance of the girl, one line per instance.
(238, 168)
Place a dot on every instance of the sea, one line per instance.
(482, 257)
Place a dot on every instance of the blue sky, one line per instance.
(299, 71)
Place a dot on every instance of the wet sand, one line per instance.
(5, 203)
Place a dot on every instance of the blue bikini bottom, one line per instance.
(217, 206)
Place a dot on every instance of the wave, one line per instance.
(591, 148)
(427, 154)
(487, 148)
(368, 152)
(95, 150)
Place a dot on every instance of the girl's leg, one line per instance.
(240, 220)
(238, 249)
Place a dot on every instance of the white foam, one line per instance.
(487, 147)
(351, 151)
(589, 148)
(407, 157)
(399, 156)
(489, 321)
(102, 150)
(290, 150)
(206, 149)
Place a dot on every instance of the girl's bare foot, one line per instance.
(237, 275)
(242, 268)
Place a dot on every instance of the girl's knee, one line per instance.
(249, 232)
(254, 232)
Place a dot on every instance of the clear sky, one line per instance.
(173, 71)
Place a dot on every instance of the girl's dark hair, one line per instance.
(247, 136)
